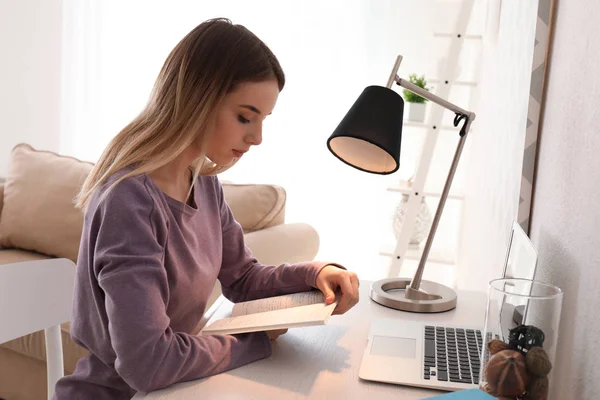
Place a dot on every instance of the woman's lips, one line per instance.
(237, 153)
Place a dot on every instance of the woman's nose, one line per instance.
(255, 138)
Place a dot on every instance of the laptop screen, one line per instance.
(520, 263)
(521, 255)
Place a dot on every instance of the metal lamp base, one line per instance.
(431, 297)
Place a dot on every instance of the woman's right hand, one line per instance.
(274, 334)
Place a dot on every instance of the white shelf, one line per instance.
(405, 189)
(455, 35)
(441, 256)
(424, 125)
(451, 82)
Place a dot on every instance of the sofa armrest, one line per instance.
(255, 206)
(291, 243)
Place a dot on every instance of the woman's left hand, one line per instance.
(332, 279)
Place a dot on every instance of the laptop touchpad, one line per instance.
(394, 346)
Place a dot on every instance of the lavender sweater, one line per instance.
(147, 265)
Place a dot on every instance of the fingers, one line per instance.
(353, 300)
(331, 281)
(355, 282)
(342, 305)
(329, 293)
(348, 285)
(274, 334)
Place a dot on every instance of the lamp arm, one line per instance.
(424, 93)
(432, 97)
(413, 292)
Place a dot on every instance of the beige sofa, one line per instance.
(38, 221)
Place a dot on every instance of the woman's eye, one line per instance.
(243, 120)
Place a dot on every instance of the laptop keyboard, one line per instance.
(452, 354)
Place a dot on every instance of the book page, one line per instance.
(308, 315)
(278, 303)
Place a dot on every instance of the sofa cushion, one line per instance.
(34, 346)
(38, 212)
(21, 378)
(255, 206)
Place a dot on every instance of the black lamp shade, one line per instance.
(368, 138)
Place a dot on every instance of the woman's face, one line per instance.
(238, 124)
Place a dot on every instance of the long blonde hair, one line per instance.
(205, 65)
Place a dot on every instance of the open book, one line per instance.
(280, 312)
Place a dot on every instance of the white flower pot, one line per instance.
(416, 112)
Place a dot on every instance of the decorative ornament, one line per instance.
(496, 346)
(538, 389)
(511, 375)
(506, 374)
(524, 337)
(537, 362)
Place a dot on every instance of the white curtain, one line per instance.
(329, 50)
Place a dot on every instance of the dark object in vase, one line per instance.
(524, 337)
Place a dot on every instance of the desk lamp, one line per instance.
(368, 138)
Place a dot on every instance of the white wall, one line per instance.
(345, 202)
(330, 50)
(497, 142)
(566, 209)
(30, 95)
(30, 50)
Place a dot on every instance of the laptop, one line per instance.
(439, 356)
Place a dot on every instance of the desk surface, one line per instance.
(320, 362)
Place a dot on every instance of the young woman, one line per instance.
(157, 232)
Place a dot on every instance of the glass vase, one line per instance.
(520, 338)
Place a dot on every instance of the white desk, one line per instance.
(320, 362)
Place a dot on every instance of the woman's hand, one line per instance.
(332, 279)
(274, 334)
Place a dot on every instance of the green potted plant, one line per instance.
(416, 111)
